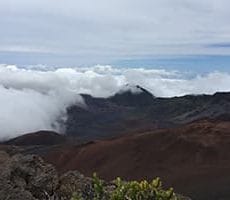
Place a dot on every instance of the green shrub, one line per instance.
(131, 190)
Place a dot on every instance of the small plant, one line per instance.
(99, 190)
(76, 196)
(143, 190)
(129, 190)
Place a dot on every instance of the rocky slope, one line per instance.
(129, 111)
(30, 178)
(195, 158)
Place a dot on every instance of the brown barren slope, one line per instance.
(37, 138)
(194, 158)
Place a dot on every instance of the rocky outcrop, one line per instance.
(72, 182)
(26, 177)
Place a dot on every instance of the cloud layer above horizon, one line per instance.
(102, 31)
(35, 98)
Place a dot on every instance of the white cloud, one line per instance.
(31, 100)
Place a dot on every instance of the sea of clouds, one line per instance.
(36, 97)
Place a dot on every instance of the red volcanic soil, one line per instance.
(37, 138)
(194, 158)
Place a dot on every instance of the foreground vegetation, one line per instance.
(122, 190)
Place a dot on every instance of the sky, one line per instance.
(119, 32)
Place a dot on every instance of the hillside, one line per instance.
(127, 112)
(194, 158)
(37, 138)
(135, 135)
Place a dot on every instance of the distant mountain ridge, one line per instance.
(129, 111)
(132, 96)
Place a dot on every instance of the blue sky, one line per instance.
(195, 64)
(180, 34)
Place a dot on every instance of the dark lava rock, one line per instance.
(72, 182)
(27, 177)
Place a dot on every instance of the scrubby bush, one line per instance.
(131, 190)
